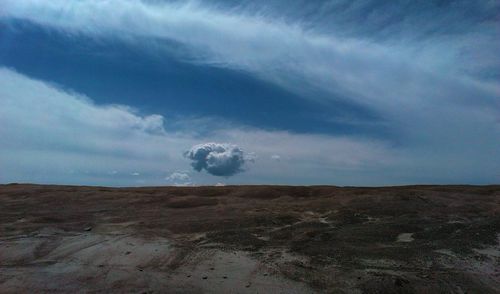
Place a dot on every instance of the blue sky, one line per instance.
(361, 92)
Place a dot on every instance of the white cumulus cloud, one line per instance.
(218, 159)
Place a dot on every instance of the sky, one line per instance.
(295, 92)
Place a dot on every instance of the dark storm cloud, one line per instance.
(218, 159)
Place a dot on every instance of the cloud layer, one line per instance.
(218, 159)
(430, 73)
(285, 52)
(406, 80)
(70, 139)
(50, 135)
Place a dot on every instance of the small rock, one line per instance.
(400, 282)
(212, 268)
(224, 277)
(87, 229)
(204, 277)
(127, 253)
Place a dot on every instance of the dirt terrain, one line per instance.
(250, 239)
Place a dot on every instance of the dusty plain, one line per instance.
(249, 239)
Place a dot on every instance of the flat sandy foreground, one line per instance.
(250, 239)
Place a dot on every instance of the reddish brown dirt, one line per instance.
(237, 239)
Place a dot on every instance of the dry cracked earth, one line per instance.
(249, 239)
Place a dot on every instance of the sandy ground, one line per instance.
(250, 239)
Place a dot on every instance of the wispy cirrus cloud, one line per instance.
(398, 78)
(348, 67)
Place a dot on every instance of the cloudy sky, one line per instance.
(342, 92)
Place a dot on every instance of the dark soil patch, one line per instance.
(190, 201)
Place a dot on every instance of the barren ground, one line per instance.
(250, 239)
